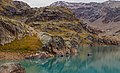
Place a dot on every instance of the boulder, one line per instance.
(51, 43)
(44, 37)
(11, 68)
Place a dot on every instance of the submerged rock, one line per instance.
(11, 68)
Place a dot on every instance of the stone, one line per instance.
(44, 37)
(12, 68)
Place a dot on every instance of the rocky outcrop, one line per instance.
(7, 8)
(11, 30)
(103, 41)
(21, 5)
(21, 8)
(92, 30)
(8, 11)
(11, 68)
(117, 32)
(13, 8)
(49, 14)
(54, 46)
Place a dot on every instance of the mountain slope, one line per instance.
(104, 16)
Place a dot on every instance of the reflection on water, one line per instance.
(103, 60)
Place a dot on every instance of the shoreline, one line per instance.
(13, 56)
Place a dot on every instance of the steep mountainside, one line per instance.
(104, 16)
(11, 30)
(49, 31)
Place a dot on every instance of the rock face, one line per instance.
(11, 30)
(49, 14)
(21, 5)
(54, 46)
(11, 68)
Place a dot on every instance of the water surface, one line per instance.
(103, 60)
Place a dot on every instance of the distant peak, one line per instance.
(60, 3)
(112, 0)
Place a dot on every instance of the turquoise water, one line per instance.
(103, 60)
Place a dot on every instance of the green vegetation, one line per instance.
(27, 44)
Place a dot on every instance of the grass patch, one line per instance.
(27, 44)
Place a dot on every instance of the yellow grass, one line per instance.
(27, 44)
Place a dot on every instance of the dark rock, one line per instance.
(22, 8)
(21, 5)
(92, 30)
(90, 54)
(57, 42)
(9, 11)
(117, 32)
